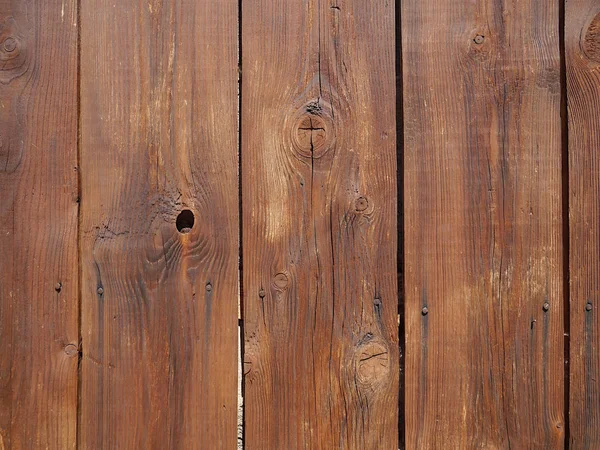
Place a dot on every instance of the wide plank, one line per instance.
(582, 58)
(39, 289)
(319, 200)
(159, 224)
(483, 224)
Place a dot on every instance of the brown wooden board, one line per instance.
(39, 335)
(158, 137)
(483, 224)
(319, 224)
(582, 51)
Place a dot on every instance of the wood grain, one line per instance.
(159, 136)
(582, 56)
(39, 335)
(483, 224)
(319, 224)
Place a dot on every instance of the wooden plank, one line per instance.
(582, 57)
(159, 137)
(319, 224)
(483, 224)
(39, 334)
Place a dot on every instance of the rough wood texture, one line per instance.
(38, 224)
(483, 224)
(319, 224)
(159, 136)
(582, 50)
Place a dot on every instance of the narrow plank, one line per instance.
(39, 334)
(319, 224)
(159, 137)
(483, 224)
(582, 57)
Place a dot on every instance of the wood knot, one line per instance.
(71, 350)
(280, 281)
(479, 44)
(478, 39)
(361, 204)
(372, 362)
(591, 39)
(249, 368)
(9, 45)
(13, 60)
(312, 131)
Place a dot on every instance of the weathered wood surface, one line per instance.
(158, 137)
(319, 224)
(582, 51)
(38, 224)
(483, 224)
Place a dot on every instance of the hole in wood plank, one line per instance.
(185, 221)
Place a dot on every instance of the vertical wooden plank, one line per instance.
(160, 293)
(38, 224)
(483, 224)
(319, 224)
(582, 57)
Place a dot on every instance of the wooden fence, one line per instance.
(395, 205)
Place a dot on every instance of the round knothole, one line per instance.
(185, 221)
